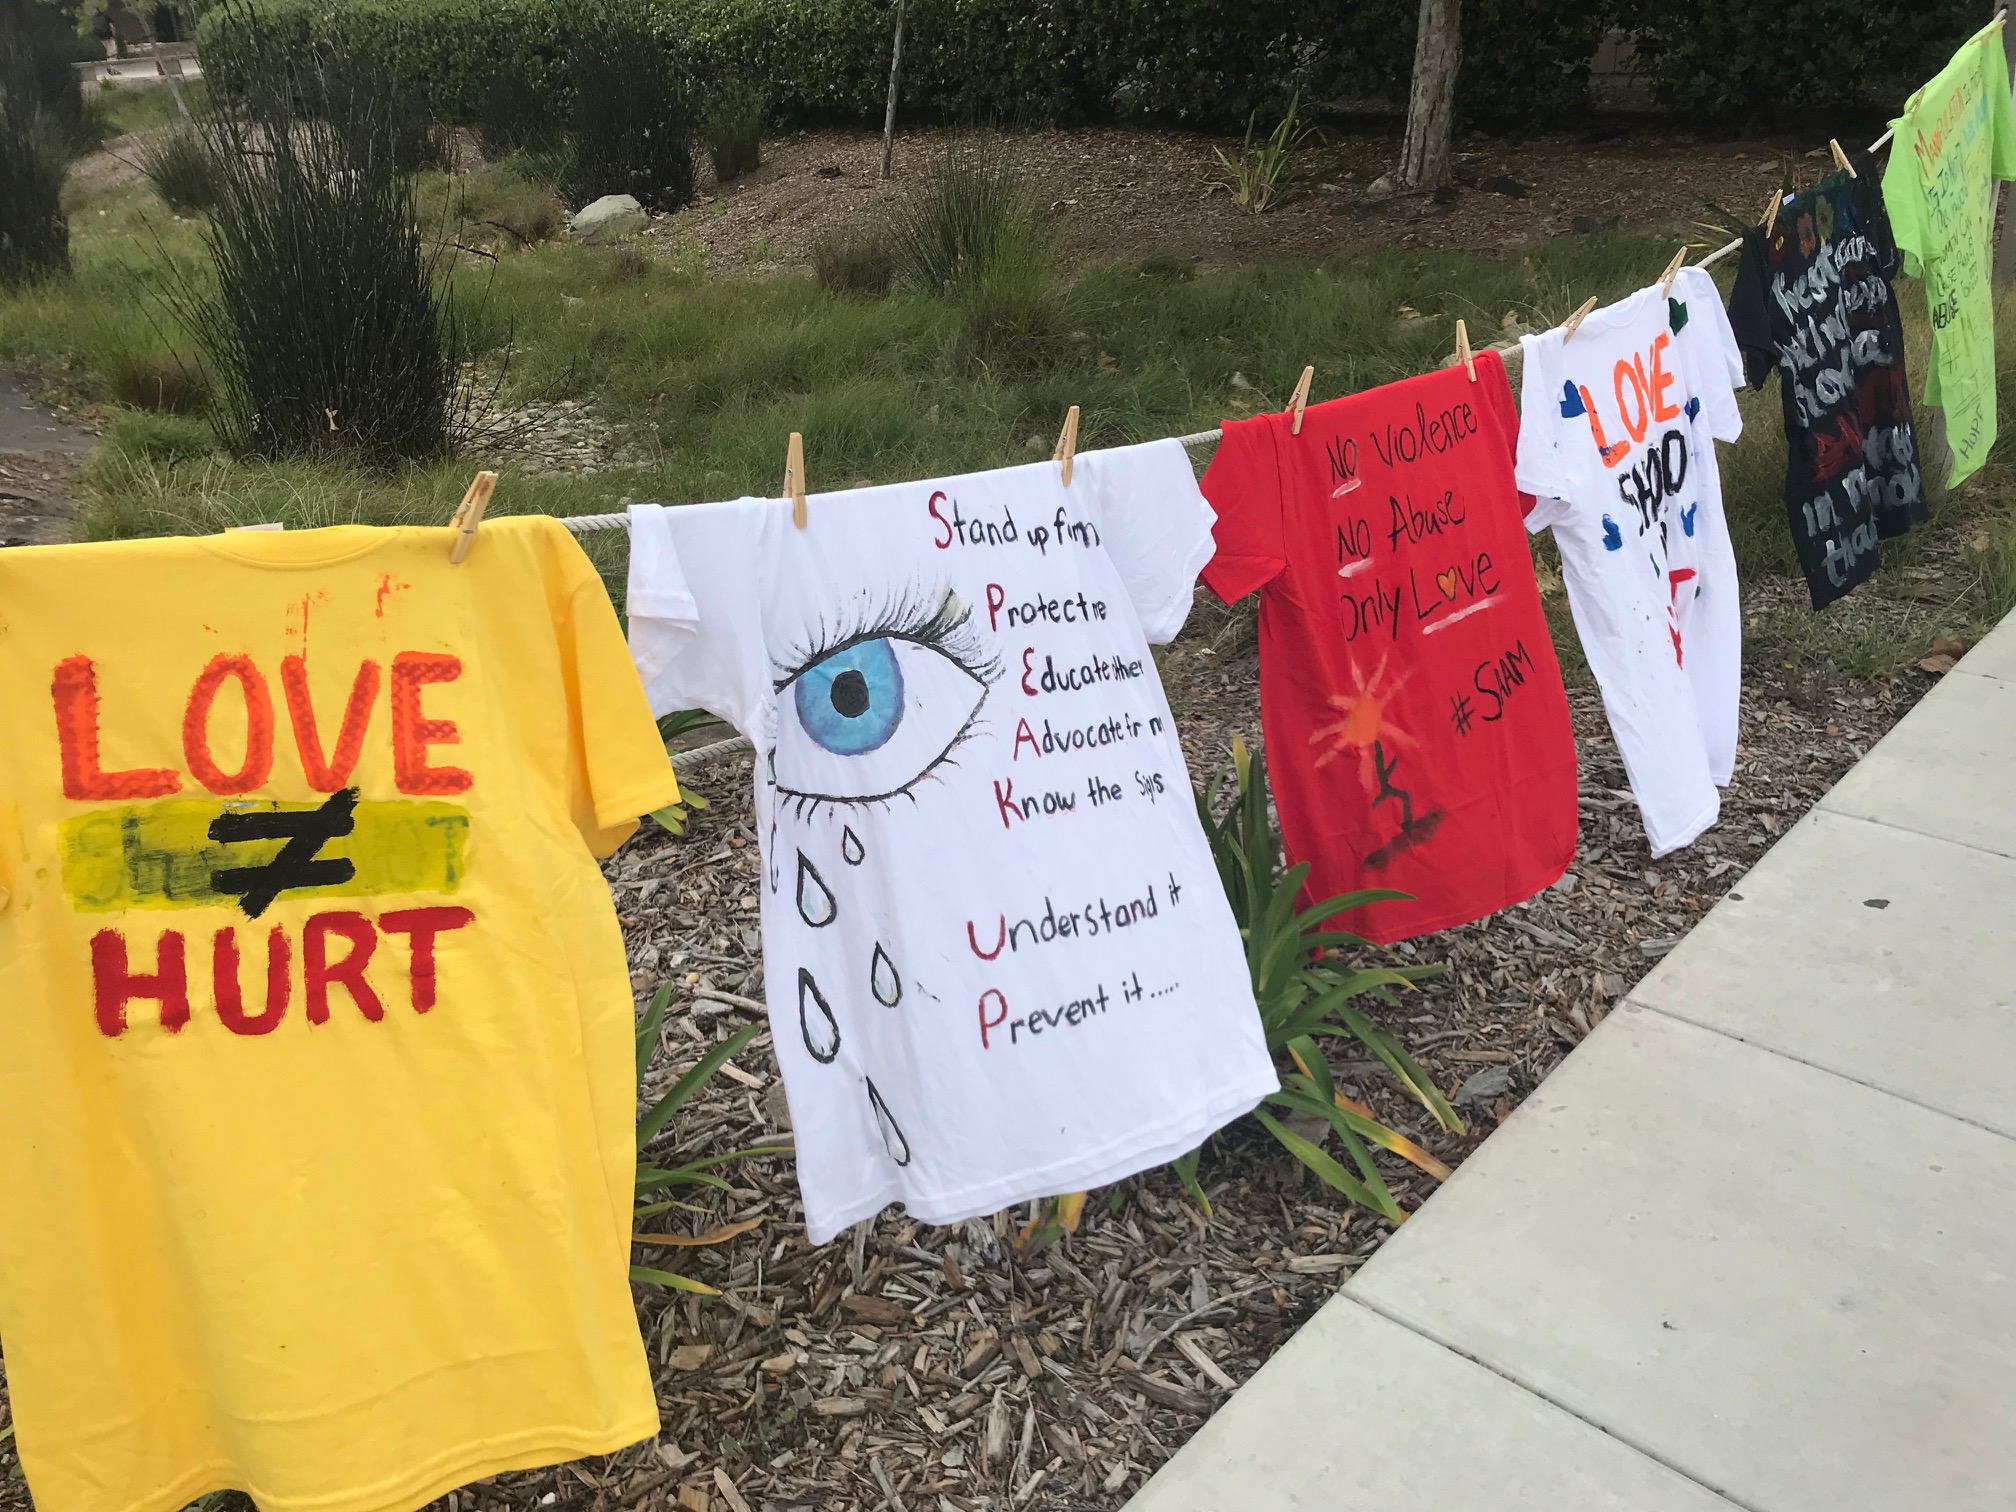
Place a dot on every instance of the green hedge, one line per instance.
(1749, 61)
(1196, 62)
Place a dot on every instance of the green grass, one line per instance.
(705, 374)
(119, 108)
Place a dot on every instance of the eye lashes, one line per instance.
(940, 620)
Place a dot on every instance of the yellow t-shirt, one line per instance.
(317, 1088)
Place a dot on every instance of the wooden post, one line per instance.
(889, 119)
(1431, 104)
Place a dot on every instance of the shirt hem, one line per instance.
(1192, 572)
(1454, 918)
(637, 803)
(524, 1451)
(1691, 831)
(1162, 1144)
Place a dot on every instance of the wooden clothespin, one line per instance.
(1463, 349)
(1771, 210)
(1299, 400)
(1067, 443)
(1841, 158)
(469, 514)
(794, 478)
(1578, 317)
(1672, 271)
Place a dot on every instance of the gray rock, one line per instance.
(609, 219)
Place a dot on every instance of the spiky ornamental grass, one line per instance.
(633, 128)
(330, 326)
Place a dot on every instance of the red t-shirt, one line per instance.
(1416, 727)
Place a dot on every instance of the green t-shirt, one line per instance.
(1956, 136)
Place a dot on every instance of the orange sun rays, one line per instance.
(1363, 723)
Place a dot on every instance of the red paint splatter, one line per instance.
(386, 587)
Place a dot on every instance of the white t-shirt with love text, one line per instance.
(999, 960)
(1617, 434)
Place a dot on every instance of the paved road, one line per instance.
(1753, 1245)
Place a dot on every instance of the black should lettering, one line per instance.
(1658, 474)
(1415, 525)
(1429, 433)
(1499, 677)
(1067, 1016)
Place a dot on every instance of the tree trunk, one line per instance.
(1431, 106)
(889, 120)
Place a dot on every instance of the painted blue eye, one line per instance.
(852, 701)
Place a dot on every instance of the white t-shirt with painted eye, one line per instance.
(999, 960)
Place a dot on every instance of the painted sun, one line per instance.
(1362, 724)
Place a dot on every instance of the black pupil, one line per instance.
(850, 695)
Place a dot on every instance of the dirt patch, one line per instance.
(114, 166)
(1129, 193)
(39, 456)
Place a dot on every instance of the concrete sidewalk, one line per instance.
(1753, 1245)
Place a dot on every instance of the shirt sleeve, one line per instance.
(1868, 194)
(618, 766)
(1719, 360)
(1750, 312)
(1498, 400)
(1157, 528)
(1901, 191)
(2001, 113)
(696, 629)
(1536, 466)
(1243, 485)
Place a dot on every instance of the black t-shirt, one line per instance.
(1813, 300)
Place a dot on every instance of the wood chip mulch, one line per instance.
(923, 1369)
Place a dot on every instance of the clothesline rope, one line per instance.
(585, 524)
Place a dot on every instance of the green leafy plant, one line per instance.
(666, 1173)
(1305, 991)
(674, 816)
(1035, 62)
(1255, 172)
(518, 112)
